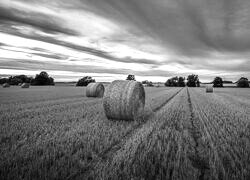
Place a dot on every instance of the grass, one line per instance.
(58, 133)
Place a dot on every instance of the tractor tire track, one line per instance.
(197, 161)
(115, 146)
(159, 107)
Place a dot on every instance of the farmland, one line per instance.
(59, 133)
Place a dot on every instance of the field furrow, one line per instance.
(223, 129)
(157, 150)
(68, 133)
(117, 145)
(185, 133)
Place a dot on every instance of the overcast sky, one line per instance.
(108, 39)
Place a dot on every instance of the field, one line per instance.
(58, 133)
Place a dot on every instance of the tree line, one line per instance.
(40, 79)
(191, 81)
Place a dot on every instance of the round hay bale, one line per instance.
(19, 84)
(124, 100)
(209, 88)
(95, 90)
(6, 85)
(25, 85)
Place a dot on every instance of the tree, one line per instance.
(181, 82)
(198, 83)
(131, 77)
(193, 81)
(148, 83)
(42, 79)
(243, 82)
(218, 82)
(4, 80)
(175, 82)
(85, 81)
(14, 80)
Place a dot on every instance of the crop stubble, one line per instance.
(185, 134)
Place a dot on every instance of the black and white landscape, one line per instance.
(125, 89)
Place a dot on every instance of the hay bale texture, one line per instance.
(95, 90)
(6, 85)
(25, 85)
(124, 100)
(209, 88)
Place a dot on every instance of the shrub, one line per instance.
(243, 82)
(85, 81)
(131, 77)
(148, 83)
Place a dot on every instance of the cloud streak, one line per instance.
(157, 38)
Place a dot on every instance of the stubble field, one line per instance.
(58, 133)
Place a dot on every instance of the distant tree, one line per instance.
(24, 78)
(4, 80)
(181, 82)
(243, 82)
(218, 82)
(145, 82)
(175, 82)
(148, 83)
(168, 82)
(42, 79)
(193, 81)
(198, 83)
(172, 82)
(14, 80)
(85, 81)
(131, 77)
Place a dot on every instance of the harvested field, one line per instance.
(186, 133)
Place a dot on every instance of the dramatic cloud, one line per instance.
(112, 38)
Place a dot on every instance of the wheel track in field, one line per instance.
(231, 150)
(197, 161)
(169, 99)
(115, 146)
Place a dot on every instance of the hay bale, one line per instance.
(25, 85)
(6, 85)
(19, 84)
(124, 100)
(209, 88)
(95, 90)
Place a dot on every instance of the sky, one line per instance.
(109, 39)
